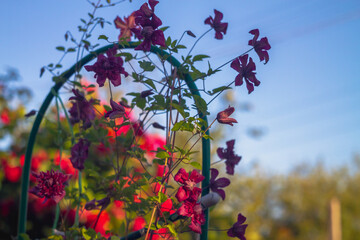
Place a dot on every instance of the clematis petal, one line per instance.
(158, 38)
(196, 176)
(222, 182)
(236, 65)
(218, 16)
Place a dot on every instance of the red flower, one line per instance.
(261, 46)
(5, 117)
(219, 27)
(246, 71)
(215, 185)
(125, 26)
(167, 206)
(81, 110)
(108, 67)
(139, 223)
(231, 159)
(189, 189)
(12, 173)
(50, 185)
(238, 229)
(194, 210)
(223, 116)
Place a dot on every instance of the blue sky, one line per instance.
(308, 100)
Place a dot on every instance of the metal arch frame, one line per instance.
(63, 78)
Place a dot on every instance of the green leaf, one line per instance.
(200, 57)
(107, 108)
(180, 110)
(162, 155)
(164, 28)
(24, 236)
(219, 89)
(60, 48)
(128, 56)
(86, 42)
(141, 102)
(103, 37)
(168, 41)
(162, 197)
(196, 165)
(150, 83)
(177, 126)
(201, 104)
(171, 228)
(71, 50)
(147, 66)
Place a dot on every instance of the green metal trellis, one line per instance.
(63, 78)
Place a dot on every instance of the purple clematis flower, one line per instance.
(108, 66)
(51, 185)
(149, 23)
(151, 36)
(216, 184)
(79, 153)
(81, 110)
(189, 189)
(116, 112)
(193, 210)
(246, 71)
(219, 27)
(261, 47)
(231, 159)
(223, 116)
(238, 229)
(145, 16)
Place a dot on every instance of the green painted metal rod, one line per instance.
(63, 78)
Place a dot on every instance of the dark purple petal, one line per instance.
(213, 173)
(220, 192)
(222, 182)
(31, 113)
(157, 125)
(218, 16)
(239, 80)
(158, 38)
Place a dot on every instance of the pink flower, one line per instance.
(79, 153)
(108, 66)
(216, 184)
(81, 109)
(231, 159)
(51, 185)
(193, 210)
(125, 26)
(238, 229)
(223, 116)
(189, 189)
(261, 46)
(246, 71)
(219, 27)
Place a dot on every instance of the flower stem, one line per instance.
(197, 40)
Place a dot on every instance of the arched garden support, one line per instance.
(63, 78)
